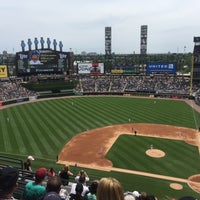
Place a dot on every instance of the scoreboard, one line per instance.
(41, 61)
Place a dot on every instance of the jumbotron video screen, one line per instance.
(41, 61)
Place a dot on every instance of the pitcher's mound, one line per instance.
(156, 153)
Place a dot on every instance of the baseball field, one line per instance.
(168, 128)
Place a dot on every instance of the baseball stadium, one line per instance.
(141, 127)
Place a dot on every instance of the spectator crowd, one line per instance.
(52, 187)
(49, 185)
(197, 97)
(12, 89)
(155, 83)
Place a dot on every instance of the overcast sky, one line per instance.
(80, 24)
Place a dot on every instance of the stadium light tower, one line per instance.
(108, 41)
(195, 69)
(143, 40)
(196, 60)
(143, 46)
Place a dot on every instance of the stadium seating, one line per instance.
(24, 175)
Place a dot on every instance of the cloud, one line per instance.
(80, 24)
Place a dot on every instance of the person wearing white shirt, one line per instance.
(82, 181)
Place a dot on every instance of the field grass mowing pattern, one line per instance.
(43, 128)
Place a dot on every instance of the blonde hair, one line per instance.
(82, 173)
(109, 189)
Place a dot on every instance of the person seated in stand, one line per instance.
(35, 190)
(110, 189)
(78, 192)
(53, 188)
(27, 163)
(83, 174)
(85, 188)
(51, 172)
(142, 195)
(137, 195)
(91, 194)
(8, 182)
(65, 174)
(128, 196)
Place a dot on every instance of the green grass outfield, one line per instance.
(43, 128)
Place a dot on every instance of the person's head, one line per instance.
(93, 186)
(109, 189)
(54, 184)
(82, 173)
(136, 194)
(51, 169)
(40, 175)
(30, 158)
(143, 195)
(65, 168)
(8, 181)
(35, 56)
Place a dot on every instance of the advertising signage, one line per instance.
(91, 68)
(161, 67)
(41, 61)
(3, 71)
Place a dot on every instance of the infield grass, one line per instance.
(129, 152)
